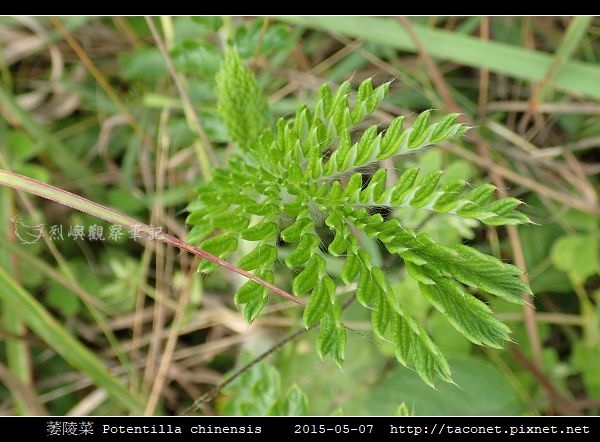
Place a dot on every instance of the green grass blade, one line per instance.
(573, 36)
(60, 340)
(55, 150)
(69, 199)
(524, 64)
(17, 351)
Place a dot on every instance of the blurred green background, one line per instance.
(108, 109)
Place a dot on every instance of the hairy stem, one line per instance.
(77, 202)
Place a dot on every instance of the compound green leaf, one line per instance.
(319, 302)
(262, 256)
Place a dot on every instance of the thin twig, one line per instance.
(152, 378)
(484, 79)
(562, 404)
(206, 153)
(549, 108)
(91, 67)
(212, 393)
(170, 345)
